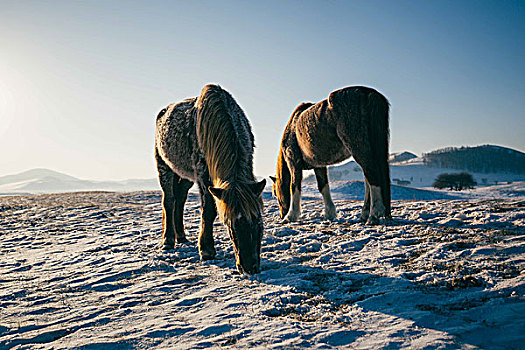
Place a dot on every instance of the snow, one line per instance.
(85, 270)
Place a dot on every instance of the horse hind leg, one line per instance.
(373, 206)
(166, 179)
(378, 183)
(375, 179)
(377, 207)
(324, 188)
(365, 211)
(180, 189)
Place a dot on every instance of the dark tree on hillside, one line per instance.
(480, 159)
(458, 181)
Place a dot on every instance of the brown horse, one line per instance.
(353, 121)
(208, 140)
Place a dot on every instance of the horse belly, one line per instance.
(180, 162)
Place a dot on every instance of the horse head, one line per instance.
(240, 208)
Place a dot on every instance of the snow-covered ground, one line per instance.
(84, 270)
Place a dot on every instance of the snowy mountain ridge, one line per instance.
(49, 181)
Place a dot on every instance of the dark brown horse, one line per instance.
(208, 140)
(353, 121)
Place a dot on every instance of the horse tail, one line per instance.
(215, 132)
(379, 109)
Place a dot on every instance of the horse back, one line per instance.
(356, 99)
(318, 127)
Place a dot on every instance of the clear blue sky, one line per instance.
(82, 82)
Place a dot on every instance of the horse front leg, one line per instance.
(295, 208)
(324, 188)
(208, 214)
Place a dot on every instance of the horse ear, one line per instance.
(258, 187)
(216, 192)
(273, 178)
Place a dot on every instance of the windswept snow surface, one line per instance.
(84, 271)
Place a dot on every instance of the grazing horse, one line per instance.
(208, 140)
(353, 121)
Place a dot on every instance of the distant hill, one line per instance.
(38, 173)
(480, 159)
(401, 157)
(49, 181)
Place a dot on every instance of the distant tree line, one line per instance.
(458, 181)
(480, 159)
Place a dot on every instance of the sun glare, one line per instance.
(7, 106)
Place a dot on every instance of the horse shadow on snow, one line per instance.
(463, 312)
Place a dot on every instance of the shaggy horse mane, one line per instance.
(228, 148)
(216, 132)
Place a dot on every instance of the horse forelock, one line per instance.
(224, 135)
(237, 200)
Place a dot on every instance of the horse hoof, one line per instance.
(330, 212)
(364, 217)
(168, 246)
(182, 240)
(372, 220)
(330, 217)
(207, 255)
(290, 218)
